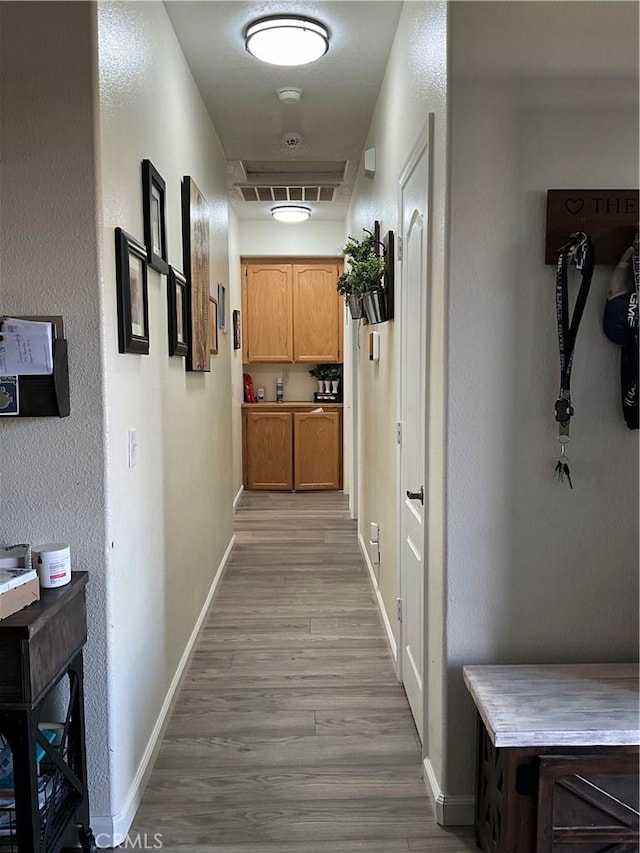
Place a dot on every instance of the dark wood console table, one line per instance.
(558, 758)
(39, 647)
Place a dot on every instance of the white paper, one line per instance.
(319, 411)
(25, 347)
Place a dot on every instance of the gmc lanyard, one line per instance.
(578, 252)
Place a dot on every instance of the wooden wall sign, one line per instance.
(609, 217)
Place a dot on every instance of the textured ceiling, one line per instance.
(339, 91)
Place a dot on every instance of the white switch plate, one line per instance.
(285, 374)
(133, 448)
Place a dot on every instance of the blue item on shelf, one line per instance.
(6, 758)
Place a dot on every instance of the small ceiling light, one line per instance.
(290, 95)
(291, 212)
(289, 40)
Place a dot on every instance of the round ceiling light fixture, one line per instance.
(291, 212)
(286, 40)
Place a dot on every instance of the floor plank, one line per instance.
(291, 733)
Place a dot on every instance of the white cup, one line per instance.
(53, 564)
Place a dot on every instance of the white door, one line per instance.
(414, 229)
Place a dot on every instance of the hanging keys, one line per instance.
(567, 473)
(562, 471)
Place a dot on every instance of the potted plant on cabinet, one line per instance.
(361, 285)
(318, 372)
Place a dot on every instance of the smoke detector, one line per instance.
(290, 95)
(292, 139)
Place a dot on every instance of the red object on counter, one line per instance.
(249, 394)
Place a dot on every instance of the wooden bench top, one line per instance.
(557, 704)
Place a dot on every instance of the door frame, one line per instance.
(423, 142)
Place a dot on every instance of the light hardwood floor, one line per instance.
(291, 733)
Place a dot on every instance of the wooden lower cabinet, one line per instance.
(293, 448)
(267, 445)
(316, 450)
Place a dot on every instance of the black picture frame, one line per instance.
(389, 245)
(177, 313)
(133, 301)
(237, 342)
(155, 217)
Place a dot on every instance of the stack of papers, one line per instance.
(26, 347)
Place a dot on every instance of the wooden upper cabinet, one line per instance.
(317, 314)
(291, 311)
(268, 332)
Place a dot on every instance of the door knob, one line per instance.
(417, 496)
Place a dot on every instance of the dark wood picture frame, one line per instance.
(133, 301)
(155, 217)
(195, 249)
(178, 315)
(237, 340)
(222, 307)
(213, 325)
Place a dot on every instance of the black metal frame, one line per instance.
(46, 830)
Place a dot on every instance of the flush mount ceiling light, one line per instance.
(286, 40)
(291, 212)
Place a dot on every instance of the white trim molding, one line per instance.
(236, 500)
(450, 810)
(391, 640)
(111, 831)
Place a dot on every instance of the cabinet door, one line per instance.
(317, 313)
(269, 450)
(268, 312)
(318, 450)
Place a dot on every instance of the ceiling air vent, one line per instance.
(289, 193)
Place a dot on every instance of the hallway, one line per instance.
(291, 733)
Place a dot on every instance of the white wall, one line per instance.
(314, 237)
(414, 85)
(544, 95)
(170, 518)
(237, 387)
(52, 478)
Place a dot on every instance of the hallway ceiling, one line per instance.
(339, 94)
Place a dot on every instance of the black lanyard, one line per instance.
(578, 252)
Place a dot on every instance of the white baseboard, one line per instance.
(112, 830)
(237, 497)
(450, 811)
(391, 640)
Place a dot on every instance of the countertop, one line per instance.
(557, 705)
(289, 404)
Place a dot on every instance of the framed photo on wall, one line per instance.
(195, 248)
(133, 303)
(237, 341)
(213, 326)
(154, 212)
(177, 305)
(222, 307)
